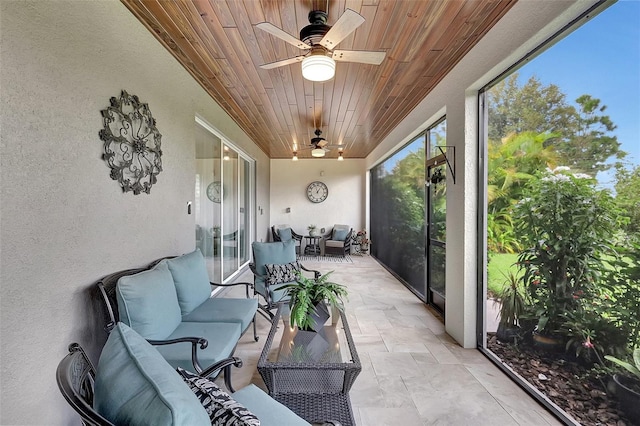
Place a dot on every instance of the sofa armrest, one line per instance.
(248, 286)
(224, 365)
(195, 341)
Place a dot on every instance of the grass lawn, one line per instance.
(499, 264)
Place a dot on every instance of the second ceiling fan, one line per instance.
(320, 39)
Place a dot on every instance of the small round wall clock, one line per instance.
(317, 192)
(214, 191)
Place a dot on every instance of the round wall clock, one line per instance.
(317, 192)
(214, 191)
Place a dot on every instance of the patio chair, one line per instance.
(338, 240)
(274, 266)
(285, 233)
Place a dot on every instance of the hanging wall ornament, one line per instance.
(131, 143)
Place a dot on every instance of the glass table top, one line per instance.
(330, 345)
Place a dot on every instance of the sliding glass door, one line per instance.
(223, 205)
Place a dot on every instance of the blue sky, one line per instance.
(601, 58)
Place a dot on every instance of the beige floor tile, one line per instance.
(413, 372)
(395, 364)
(390, 416)
(453, 408)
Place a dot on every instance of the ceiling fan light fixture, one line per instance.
(318, 68)
(317, 152)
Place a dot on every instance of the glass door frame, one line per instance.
(250, 211)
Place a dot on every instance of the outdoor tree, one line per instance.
(585, 140)
(628, 197)
(588, 142)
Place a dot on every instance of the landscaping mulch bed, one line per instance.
(562, 380)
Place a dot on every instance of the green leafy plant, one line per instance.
(512, 302)
(306, 293)
(566, 226)
(633, 369)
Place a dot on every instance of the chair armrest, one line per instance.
(296, 236)
(227, 362)
(195, 341)
(316, 274)
(326, 423)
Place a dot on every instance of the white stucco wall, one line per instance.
(344, 205)
(63, 222)
(524, 27)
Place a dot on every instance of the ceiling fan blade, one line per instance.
(345, 25)
(360, 56)
(282, 35)
(276, 64)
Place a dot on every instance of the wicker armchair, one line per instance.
(338, 240)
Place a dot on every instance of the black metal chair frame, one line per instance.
(107, 289)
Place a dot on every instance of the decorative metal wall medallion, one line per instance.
(131, 143)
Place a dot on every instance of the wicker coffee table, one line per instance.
(311, 373)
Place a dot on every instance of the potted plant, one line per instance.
(627, 388)
(307, 300)
(362, 240)
(312, 230)
(512, 307)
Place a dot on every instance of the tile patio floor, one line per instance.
(413, 373)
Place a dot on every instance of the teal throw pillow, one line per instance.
(134, 385)
(340, 234)
(285, 234)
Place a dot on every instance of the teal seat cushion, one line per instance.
(134, 385)
(268, 410)
(285, 234)
(222, 338)
(191, 280)
(147, 302)
(225, 309)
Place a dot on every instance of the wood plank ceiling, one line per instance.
(218, 43)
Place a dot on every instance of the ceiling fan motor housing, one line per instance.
(313, 33)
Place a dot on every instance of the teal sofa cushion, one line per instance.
(135, 385)
(223, 309)
(285, 234)
(268, 410)
(222, 338)
(148, 303)
(191, 280)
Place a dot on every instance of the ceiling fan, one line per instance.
(319, 146)
(320, 39)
